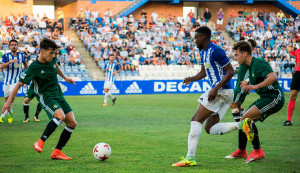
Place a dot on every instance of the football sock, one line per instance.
(64, 137)
(51, 128)
(111, 96)
(26, 109)
(222, 128)
(38, 110)
(255, 142)
(195, 132)
(105, 97)
(290, 111)
(242, 140)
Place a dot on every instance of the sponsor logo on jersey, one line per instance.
(133, 88)
(42, 72)
(88, 89)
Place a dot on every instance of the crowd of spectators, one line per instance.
(276, 35)
(150, 39)
(29, 30)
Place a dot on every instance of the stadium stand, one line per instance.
(29, 30)
(159, 47)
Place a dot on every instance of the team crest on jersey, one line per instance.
(23, 76)
(54, 66)
(55, 106)
(206, 65)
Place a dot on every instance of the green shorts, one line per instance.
(269, 105)
(51, 105)
(30, 93)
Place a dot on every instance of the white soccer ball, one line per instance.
(102, 151)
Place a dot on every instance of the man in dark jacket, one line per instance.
(207, 15)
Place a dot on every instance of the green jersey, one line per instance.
(44, 79)
(243, 74)
(258, 71)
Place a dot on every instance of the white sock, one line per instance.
(195, 132)
(110, 95)
(105, 97)
(5, 113)
(222, 128)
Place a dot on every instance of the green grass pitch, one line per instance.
(147, 133)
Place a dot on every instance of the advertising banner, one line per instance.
(140, 87)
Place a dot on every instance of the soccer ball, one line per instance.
(102, 151)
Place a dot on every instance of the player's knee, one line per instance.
(72, 124)
(293, 97)
(207, 129)
(26, 101)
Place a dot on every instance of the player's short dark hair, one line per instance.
(111, 54)
(252, 43)
(47, 43)
(204, 30)
(13, 40)
(243, 46)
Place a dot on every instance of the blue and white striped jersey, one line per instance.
(13, 71)
(111, 69)
(214, 59)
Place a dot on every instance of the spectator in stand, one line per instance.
(280, 14)
(142, 60)
(220, 15)
(191, 14)
(207, 15)
(60, 16)
(154, 60)
(241, 13)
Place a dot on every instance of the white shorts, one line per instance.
(108, 85)
(219, 22)
(7, 89)
(220, 104)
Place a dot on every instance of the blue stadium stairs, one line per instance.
(132, 7)
(286, 7)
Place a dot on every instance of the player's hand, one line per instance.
(114, 73)
(186, 81)
(7, 107)
(248, 88)
(106, 68)
(243, 84)
(70, 80)
(14, 60)
(212, 94)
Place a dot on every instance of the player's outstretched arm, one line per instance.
(11, 98)
(271, 78)
(61, 74)
(198, 76)
(214, 91)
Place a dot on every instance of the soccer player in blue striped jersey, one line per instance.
(12, 64)
(214, 103)
(111, 68)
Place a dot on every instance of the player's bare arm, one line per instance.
(12, 95)
(214, 91)
(198, 76)
(4, 65)
(271, 78)
(60, 73)
(116, 72)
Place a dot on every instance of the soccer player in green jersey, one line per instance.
(264, 81)
(27, 98)
(237, 110)
(43, 74)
